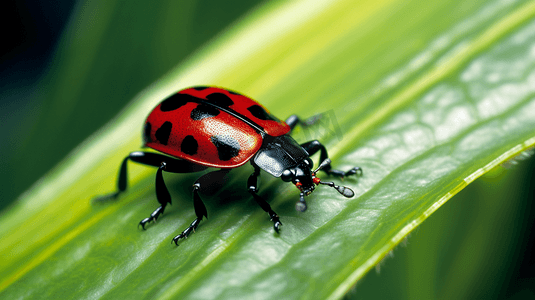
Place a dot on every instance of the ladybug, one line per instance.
(204, 127)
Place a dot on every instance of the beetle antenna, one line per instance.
(301, 205)
(344, 191)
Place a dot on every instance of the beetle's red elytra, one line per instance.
(217, 133)
(202, 127)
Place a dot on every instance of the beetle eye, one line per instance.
(287, 175)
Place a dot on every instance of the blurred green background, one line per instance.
(41, 124)
(478, 245)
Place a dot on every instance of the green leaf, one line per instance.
(424, 101)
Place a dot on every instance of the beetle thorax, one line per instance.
(280, 153)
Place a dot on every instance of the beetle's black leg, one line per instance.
(200, 209)
(121, 183)
(314, 146)
(164, 163)
(252, 183)
(293, 120)
(162, 195)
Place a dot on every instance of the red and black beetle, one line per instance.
(203, 127)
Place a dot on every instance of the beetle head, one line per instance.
(305, 180)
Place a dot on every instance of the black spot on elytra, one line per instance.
(227, 146)
(220, 100)
(176, 101)
(204, 111)
(146, 133)
(189, 145)
(199, 88)
(259, 112)
(162, 134)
